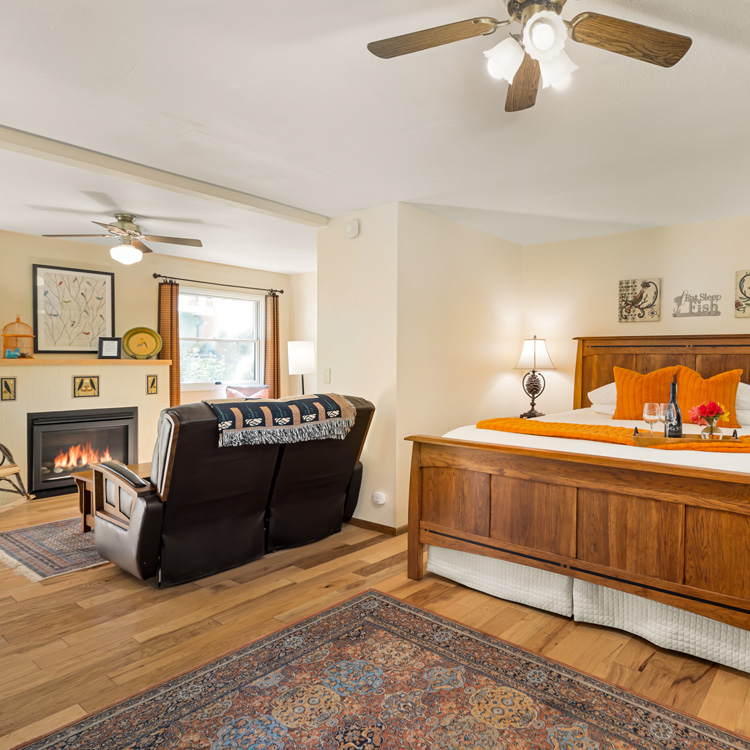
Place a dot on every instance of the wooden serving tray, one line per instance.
(646, 441)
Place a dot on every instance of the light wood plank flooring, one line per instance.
(76, 643)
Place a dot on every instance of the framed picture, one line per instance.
(639, 300)
(73, 308)
(110, 347)
(152, 384)
(7, 389)
(85, 386)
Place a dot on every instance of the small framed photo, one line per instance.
(152, 384)
(110, 347)
(7, 389)
(85, 387)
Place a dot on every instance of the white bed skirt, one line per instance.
(661, 624)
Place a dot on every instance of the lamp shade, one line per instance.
(544, 35)
(301, 357)
(534, 356)
(504, 59)
(125, 253)
(557, 71)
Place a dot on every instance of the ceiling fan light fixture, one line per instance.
(504, 59)
(557, 72)
(544, 35)
(125, 253)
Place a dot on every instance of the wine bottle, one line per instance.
(673, 417)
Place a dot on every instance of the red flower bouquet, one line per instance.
(709, 414)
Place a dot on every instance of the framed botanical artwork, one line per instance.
(742, 294)
(73, 308)
(110, 348)
(7, 389)
(152, 384)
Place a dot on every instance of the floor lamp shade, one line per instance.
(301, 359)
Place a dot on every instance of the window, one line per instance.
(220, 338)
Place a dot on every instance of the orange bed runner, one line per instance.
(603, 434)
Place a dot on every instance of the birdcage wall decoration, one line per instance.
(18, 340)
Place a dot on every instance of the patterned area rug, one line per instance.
(374, 672)
(49, 549)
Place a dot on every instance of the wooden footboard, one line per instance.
(677, 535)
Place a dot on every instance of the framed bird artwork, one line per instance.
(639, 300)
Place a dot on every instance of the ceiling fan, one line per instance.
(131, 247)
(537, 52)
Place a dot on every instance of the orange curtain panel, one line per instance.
(273, 367)
(169, 330)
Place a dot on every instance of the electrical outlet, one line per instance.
(327, 376)
(378, 498)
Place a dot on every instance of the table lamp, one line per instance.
(301, 359)
(534, 356)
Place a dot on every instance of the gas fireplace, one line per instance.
(64, 442)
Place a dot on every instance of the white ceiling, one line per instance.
(282, 100)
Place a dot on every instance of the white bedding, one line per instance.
(666, 626)
(696, 459)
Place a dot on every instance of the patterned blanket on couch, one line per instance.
(318, 416)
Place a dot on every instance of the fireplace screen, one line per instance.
(62, 443)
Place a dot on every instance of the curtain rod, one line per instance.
(216, 283)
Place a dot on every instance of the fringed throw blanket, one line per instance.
(286, 420)
(603, 434)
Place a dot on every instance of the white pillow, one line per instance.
(608, 410)
(742, 399)
(606, 396)
(743, 417)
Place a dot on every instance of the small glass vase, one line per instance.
(711, 432)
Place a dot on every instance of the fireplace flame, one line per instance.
(80, 455)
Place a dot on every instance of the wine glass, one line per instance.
(663, 413)
(651, 415)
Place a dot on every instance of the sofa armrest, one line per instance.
(115, 490)
(134, 547)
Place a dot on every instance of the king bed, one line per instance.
(656, 542)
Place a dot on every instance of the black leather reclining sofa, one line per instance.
(207, 509)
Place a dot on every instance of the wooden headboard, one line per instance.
(708, 355)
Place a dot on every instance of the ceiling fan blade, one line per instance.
(522, 92)
(76, 235)
(631, 39)
(172, 240)
(427, 38)
(111, 228)
(143, 248)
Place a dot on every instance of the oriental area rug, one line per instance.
(375, 672)
(49, 549)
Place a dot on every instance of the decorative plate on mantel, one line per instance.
(141, 343)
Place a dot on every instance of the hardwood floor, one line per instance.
(73, 644)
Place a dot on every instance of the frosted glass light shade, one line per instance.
(534, 356)
(504, 59)
(125, 254)
(301, 357)
(557, 71)
(544, 35)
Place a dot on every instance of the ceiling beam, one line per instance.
(83, 158)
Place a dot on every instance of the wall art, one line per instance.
(7, 389)
(73, 308)
(698, 305)
(152, 384)
(639, 300)
(742, 294)
(85, 386)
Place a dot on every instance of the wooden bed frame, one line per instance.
(676, 535)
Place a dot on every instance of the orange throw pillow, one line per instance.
(693, 390)
(634, 390)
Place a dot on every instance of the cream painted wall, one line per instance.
(570, 288)
(303, 323)
(421, 316)
(357, 315)
(459, 324)
(135, 289)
